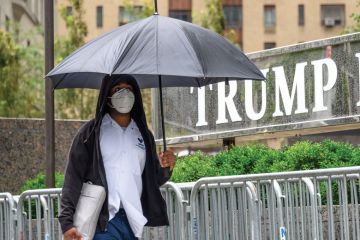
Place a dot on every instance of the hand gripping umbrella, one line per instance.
(159, 52)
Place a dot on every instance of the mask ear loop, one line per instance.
(109, 102)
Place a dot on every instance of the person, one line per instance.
(117, 150)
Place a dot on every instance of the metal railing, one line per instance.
(315, 204)
(176, 209)
(37, 212)
(40, 208)
(7, 215)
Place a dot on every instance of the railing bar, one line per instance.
(357, 209)
(319, 211)
(265, 210)
(346, 218)
(258, 208)
(341, 199)
(352, 209)
(330, 210)
(231, 212)
(29, 218)
(3, 217)
(206, 211)
(287, 210)
(219, 215)
(302, 217)
(58, 223)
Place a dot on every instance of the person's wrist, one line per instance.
(67, 228)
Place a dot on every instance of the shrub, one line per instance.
(38, 182)
(300, 156)
(249, 159)
(336, 154)
(193, 167)
(241, 159)
(355, 160)
(258, 158)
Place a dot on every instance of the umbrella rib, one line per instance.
(157, 43)
(127, 48)
(197, 54)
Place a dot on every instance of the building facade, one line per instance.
(275, 23)
(258, 25)
(102, 15)
(26, 13)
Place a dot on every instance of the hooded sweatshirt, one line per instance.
(85, 164)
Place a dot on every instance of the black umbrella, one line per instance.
(159, 52)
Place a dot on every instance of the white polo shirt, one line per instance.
(123, 153)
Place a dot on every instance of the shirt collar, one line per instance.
(109, 120)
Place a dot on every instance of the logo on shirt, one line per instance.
(140, 143)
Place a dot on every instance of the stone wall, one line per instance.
(22, 149)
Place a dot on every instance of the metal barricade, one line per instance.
(176, 210)
(7, 217)
(223, 209)
(40, 208)
(309, 211)
(37, 212)
(315, 204)
(289, 205)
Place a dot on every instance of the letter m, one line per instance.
(282, 90)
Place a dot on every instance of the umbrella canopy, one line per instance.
(183, 54)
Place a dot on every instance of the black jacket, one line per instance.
(85, 164)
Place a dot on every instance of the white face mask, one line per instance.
(123, 100)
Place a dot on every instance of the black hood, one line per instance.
(85, 163)
(137, 112)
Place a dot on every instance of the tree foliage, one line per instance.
(356, 17)
(76, 29)
(73, 103)
(147, 9)
(10, 56)
(21, 71)
(212, 17)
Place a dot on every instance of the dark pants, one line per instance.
(118, 229)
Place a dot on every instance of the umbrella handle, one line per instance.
(162, 114)
(167, 169)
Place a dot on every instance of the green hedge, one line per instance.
(249, 159)
(38, 182)
(259, 158)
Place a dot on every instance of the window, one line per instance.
(128, 15)
(233, 16)
(269, 45)
(301, 15)
(7, 23)
(69, 10)
(269, 17)
(99, 16)
(332, 15)
(184, 15)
